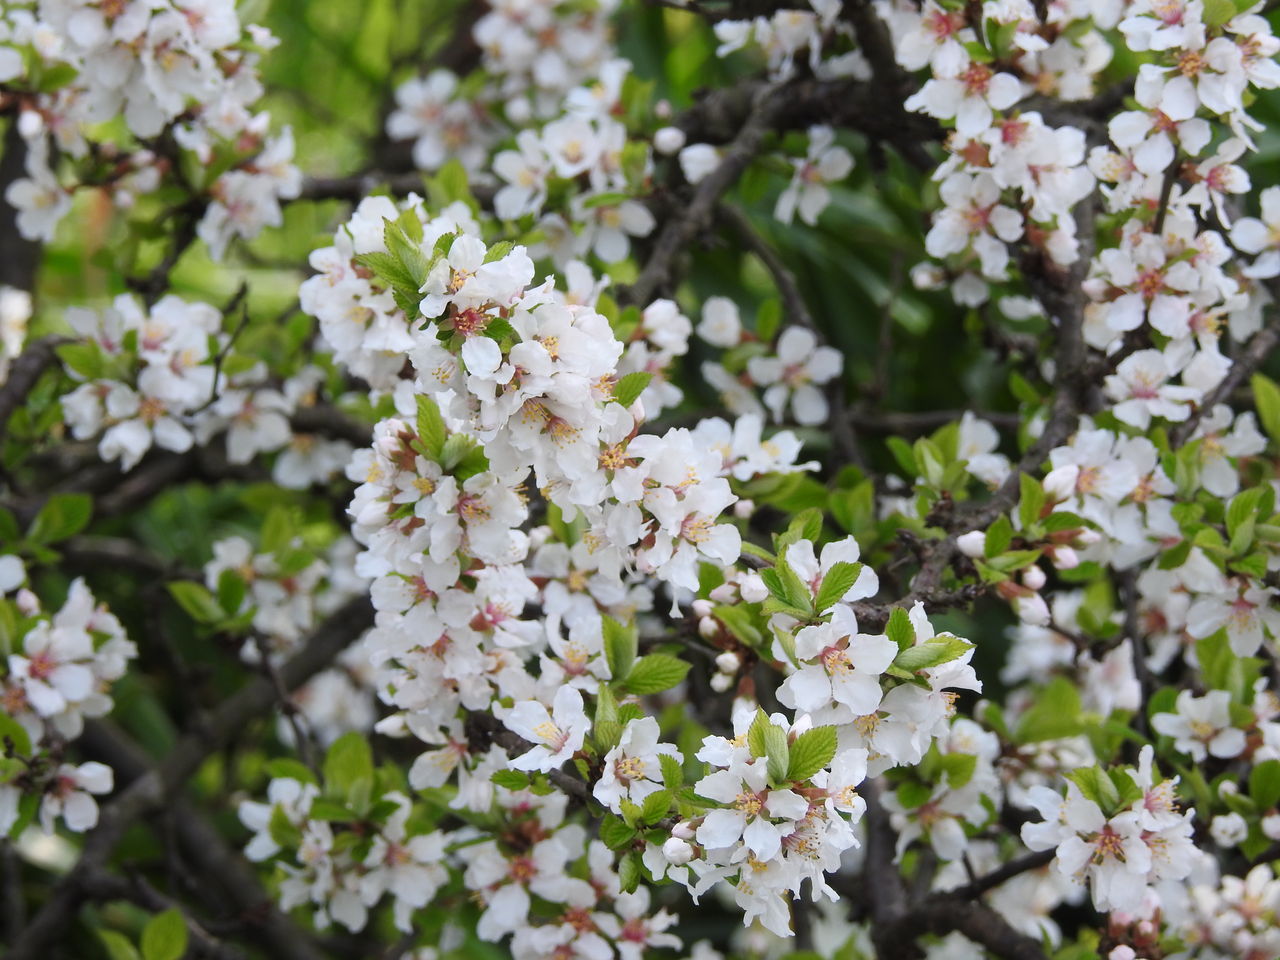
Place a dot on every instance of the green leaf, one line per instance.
(1267, 397)
(811, 752)
(655, 806)
(84, 358)
(941, 649)
(959, 768)
(117, 945)
(655, 672)
(431, 429)
(1096, 786)
(1264, 784)
(498, 251)
(620, 645)
(615, 833)
(63, 515)
(1218, 12)
(1031, 501)
(672, 771)
(196, 601)
(900, 630)
(629, 387)
(1054, 713)
(348, 767)
(629, 872)
(284, 768)
(231, 591)
(164, 937)
(807, 525)
(510, 779)
(999, 537)
(836, 584)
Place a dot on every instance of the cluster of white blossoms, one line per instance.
(187, 66)
(162, 376)
(59, 673)
(784, 379)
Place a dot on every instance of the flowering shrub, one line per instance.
(596, 479)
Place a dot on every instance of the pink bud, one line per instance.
(1033, 577)
(702, 608)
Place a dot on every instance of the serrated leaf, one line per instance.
(836, 583)
(672, 771)
(498, 251)
(510, 779)
(1096, 786)
(431, 428)
(655, 673)
(655, 806)
(614, 832)
(900, 630)
(620, 645)
(1030, 501)
(629, 872)
(629, 387)
(812, 751)
(932, 653)
(999, 537)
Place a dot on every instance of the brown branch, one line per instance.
(329, 421)
(19, 257)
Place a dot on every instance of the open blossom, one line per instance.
(792, 377)
(838, 665)
(808, 193)
(750, 809)
(1201, 726)
(632, 768)
(556, 734)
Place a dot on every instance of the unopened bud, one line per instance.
(1033, 577)
(743, 509)
(637, 411)
(28, 602)
(684, 830)
(30, 124)
(1064, 558)
(669, 140)
(708, 628)
(1032, 609)
(972, 544)
(1061, 483)
(752, 588)
(662, 109)
(725, 593)
(1271, 826)
(1087, 537)
(728, 662)
(1228, 788)
(721, 682)
(702, 608)
(677, 852)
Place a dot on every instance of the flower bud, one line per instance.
(668, 140)
(1064, 558)
(702, 608)
(678, 852)
(1032, 609)
(30, 124)
(721, 682)
(743, 509)
(1033, 577)
(28, 602)
(928, 276)
(1228, 788)
(1061, 483)
(1087, 537)
(725, 593)
(684, 830)
(637, 411)
(1122, 952)
(662, 109)
(753, 589)
(972, 544)
(1271, 826)
(708, 628)
(728, 662)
